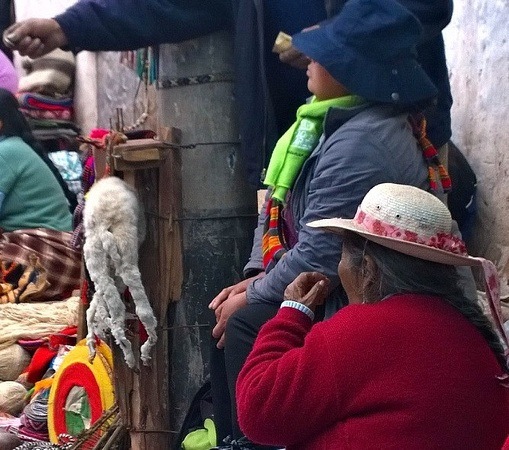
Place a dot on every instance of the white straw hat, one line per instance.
(408, 220)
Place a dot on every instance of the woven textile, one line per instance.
(274, 244)
(61, 261)
(32, 100)
(64, 114)
(437, 173)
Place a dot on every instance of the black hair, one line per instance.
(15, 125)
(400, 273)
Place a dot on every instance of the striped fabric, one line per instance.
(274, 244)
(61, 262)
(418, 123)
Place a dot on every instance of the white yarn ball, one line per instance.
(13, 360)
(12, 397)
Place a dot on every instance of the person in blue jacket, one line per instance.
(270, 91)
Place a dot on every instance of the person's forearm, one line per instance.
(102, 25)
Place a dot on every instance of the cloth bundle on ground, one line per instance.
(51, 74)
(47, 351)
(34, 418)
(51, 267)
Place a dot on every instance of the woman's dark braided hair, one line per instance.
(397, 273)
(15, 125)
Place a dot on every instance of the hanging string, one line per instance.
(145, 62)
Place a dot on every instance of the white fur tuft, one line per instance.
(114, 228)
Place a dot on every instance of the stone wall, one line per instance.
(477, 49)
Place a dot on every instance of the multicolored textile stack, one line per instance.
(34, 419)
(40, 106)
(45, 96)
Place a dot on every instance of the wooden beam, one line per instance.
(143, 396)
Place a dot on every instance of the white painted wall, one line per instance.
(477, 50)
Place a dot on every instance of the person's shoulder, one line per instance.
(372, 119)
(380, 114)
(14, 144)
(375, 126)
(386, 312)
(17, 153)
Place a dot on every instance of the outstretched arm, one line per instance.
(101, 25)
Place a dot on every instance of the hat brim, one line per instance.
(414, 249)
(401, 82)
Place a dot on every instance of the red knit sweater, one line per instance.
(408, 372)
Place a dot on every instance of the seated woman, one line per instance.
(409, 363)
(37, 260)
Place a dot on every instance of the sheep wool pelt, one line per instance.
(114, 227)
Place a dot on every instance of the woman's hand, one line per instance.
(224, 304)
(309, 288)
(230, 291)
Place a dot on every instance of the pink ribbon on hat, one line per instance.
(492, 287)
(441, 241)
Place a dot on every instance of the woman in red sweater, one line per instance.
(409, 364)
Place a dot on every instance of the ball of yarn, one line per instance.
(9, 441)
(13, 360)
(12, 397)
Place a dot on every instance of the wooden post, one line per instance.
(218, 213)
(143, 395)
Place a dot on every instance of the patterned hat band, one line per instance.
(441, 241)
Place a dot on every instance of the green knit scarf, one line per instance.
(295, 146)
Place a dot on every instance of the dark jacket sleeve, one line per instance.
(129, 24)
